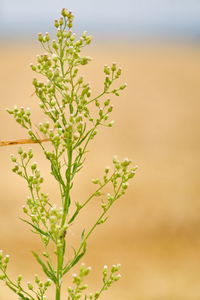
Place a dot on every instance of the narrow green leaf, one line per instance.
(82, 140)
(44, 267)
(15, 291)
(36, 228)
(76, 260)
(74, 215)
(82, 234)
(50, 267)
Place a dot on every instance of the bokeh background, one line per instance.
(154, 231)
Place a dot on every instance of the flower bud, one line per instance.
(117, 277)
(34, 166)
(25, 210)
(55, 45)
(96, 181)
(115, 268)
(20, 151)
(37, 280)
(110, 124)
(106, 70)
(30, 287)
(122, 87)
(106, 103)
(6, 258)
(107, 169)
(110, 108)
(61, 21)
(47, 37)
(64, 12)
(88, 39)
(40, 37)
(119, 71)
(13, 158)
(33, 67)
(131, 174)
(125, 185)
(126, 162)
(19, 278)
(48, 282)
(56, 23)
(105, 270)
(114, 68)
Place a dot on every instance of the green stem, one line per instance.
(58, 290)
(68, 186)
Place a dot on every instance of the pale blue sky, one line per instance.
(104, 17)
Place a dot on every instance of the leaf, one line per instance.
(75, 260)
(82, 234)
(15, 291)
(36, 228)
(102, 220)
(82, 140)
(44, 267)
(74, 215)
(50, 267)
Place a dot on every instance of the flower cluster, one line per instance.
(21, 116)
(4, 260)
(23, 293)
(78, 289)
(119, 178)
(75, 291)
(41, 286)
(108, 278)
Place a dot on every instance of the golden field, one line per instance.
(154, 231)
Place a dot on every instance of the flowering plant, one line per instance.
(66, 101)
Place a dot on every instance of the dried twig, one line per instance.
(22, 141)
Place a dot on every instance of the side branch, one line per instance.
(22, 141)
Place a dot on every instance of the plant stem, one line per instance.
(58, 290)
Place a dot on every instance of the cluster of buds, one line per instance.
(42, 286)
(45, 66)
(37, 208)
(4, 260)
(68, 16)
(25, 158)
(21, 116)
(103, 113)
(112, 73)
(66, 135)
(35, 179)
(54, 218)
(102, 182)
(49, 105)
(76, 291)
(122, 174)
(39, 291)
(43, 38)
(70, 48)
(46, 219)
(108, 279)
(119, 178)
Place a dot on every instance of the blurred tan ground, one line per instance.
(155, 230)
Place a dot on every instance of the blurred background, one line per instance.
(154, 231)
